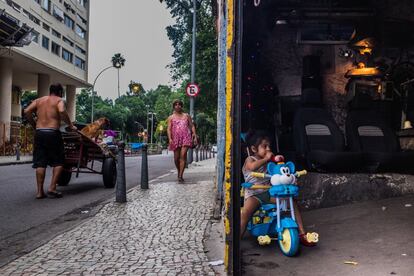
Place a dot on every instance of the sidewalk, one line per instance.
(11, 160)
(159, 231)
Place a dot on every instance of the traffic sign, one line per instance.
(192, 89)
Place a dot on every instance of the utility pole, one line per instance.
(193, 53)
(152, 125)
(147, 129)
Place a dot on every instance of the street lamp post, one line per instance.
(152, 123)
(117, 62)
(94, 92)
(161, 129)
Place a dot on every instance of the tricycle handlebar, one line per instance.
(301, 173)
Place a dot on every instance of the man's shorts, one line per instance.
(48, 148)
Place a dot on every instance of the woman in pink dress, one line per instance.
(181, 134)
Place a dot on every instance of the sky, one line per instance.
(136, 29)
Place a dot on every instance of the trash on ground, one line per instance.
(350, 262)
(218, 262)
(408, 205)
(84, 211)
(384, 208)
(403, 254)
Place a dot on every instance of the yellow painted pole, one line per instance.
(229, 136)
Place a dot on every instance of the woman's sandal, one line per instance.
(54, 195)
(180, 180)
(41, 197)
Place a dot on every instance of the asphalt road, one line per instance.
(20, 211)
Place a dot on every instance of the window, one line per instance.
(325, 33)
(34, 19)
(55, 48)
(15, 6)
(56, 33)
(46, 27)
(45, 4)
(37, 1)
(83, 2)
(79, 63)
(58, 13)
(69, 22)
(35, 36)
(12, 18)
(80, 31)
(45, 42)
(26, 13)
(80, 50)
(66, 55)
(67, 41)
(83, 20)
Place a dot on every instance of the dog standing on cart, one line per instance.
(48, 144)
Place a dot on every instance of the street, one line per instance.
(27, 221)
(158, 231)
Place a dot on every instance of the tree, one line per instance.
(27, 98)
(205, 128)
(117, 115)
(138, 112)
(164, 98)
(118, 60)
(180, 35)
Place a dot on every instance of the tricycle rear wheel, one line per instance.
(109, 172)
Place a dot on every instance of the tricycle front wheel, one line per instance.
(289, 245)
(109, 172)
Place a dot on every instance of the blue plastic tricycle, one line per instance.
(267, 221)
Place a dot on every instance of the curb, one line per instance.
(15, 163)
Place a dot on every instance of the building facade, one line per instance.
(55, 50)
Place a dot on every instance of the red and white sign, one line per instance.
(192, 89)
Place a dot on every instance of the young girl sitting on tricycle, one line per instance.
(258, 194)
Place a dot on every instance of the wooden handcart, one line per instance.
(81, 152)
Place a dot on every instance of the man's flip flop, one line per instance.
(54, 195)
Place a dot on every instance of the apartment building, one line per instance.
(41, 42)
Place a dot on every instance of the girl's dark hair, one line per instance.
(255, 137)
(177, 101)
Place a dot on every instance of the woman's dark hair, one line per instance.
(180, 102)
(255, 137)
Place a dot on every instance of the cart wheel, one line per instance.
(64, 177)
(109, 172)
(290, 243)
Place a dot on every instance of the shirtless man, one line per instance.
(48, 143)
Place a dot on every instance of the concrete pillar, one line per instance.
(43, 84)
(71, 101)
(6, 80)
